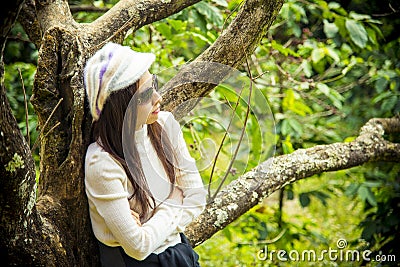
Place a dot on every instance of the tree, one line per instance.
(54, 228)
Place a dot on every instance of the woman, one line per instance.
(142, 185)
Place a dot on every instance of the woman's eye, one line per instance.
(145, 96)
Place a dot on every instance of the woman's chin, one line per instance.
(152, 118)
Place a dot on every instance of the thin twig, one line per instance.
(28, 137)
(242, 132)
(364, 79)
(290, 78)
(18, 38)
(394, 11)
(52, 128)
(317, 100)
(236, 8)
(260, 75)
(222, 142)
(196, 139)
(270, 241)
(45, 124)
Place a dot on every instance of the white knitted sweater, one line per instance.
(108, 188)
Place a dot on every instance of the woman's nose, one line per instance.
(156, 97)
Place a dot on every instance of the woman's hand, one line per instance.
(136, 216)
(177, 194)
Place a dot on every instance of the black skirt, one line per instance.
(179, 255)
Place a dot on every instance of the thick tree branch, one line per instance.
(251, 188)
(130, 14)
(231, 48)
(38, 16)
(20, 241)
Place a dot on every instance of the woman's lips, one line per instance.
(156, 111)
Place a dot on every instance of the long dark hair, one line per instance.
(107, 132)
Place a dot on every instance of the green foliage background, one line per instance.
(325, 68)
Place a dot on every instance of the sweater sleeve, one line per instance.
(104, 181)
(188, 179)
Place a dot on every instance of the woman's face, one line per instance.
(149, 100)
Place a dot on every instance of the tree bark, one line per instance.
(23, 237)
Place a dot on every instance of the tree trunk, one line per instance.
(56, 230)
(24, 237)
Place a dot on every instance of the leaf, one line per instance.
(362, 192)
(287, 145)
(210, 12)
(285, 127)
(330, 29)
(333, 5)
(323, 88)
(336, 98)
(371, 198)
(178, 25)
(351, 189)
(263, 231)
(307, 68)
(394, 85)
(357, 16)
(372, 36)
(381, 84)
(227, 233)
(372, 183)
(300, 108)
(357, 32)
(317, 54)
(340, 23)
(296, 105)
(221, 3)
(332, 94)
(288, 100)
(366, 194)
(299, 12)
(296, 126)
(289, 194)
(199, 38)
(369, 230)
(164, 29)
(332, 53)
(321, 196)
(382, 96)
(304, 199)
(283, 50)
(199, 20)
(349, 139)
(389, 103)
(377, 30)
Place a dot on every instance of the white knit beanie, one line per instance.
(112, 68)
